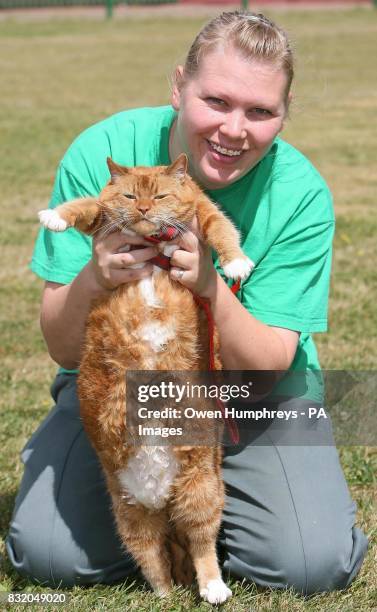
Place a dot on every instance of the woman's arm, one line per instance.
(65, 307)
(245, 342)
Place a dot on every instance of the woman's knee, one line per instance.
(33, 557)
(328, 566)
(61, 563)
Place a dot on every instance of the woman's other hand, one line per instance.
(191, 264)
(118, 258)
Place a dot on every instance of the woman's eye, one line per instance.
(160, 196)
(217, 101)
(130, 196)
(262, 112)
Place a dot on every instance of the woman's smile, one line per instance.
(225, 153)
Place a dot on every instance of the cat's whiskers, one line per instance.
(125, 225)
(121, 222)
(167, 221)
(104, 230)
(178, 225)
(112, 226)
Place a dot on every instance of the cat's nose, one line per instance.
(143, 208)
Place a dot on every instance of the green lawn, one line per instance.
(58, 77)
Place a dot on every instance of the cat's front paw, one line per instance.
(238, 268)
(52, 221)
(216, 592)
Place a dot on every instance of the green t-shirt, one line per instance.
(282, 207)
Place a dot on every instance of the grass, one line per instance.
(59, 76)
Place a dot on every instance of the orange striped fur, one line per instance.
(173, 540)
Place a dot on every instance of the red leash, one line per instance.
(163, 261)
(205, 304)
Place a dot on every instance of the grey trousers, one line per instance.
(288, 521)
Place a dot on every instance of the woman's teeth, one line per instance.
(224, 151)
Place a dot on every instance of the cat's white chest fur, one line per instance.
(155, 334)
(148, 293)
(146, 285)
(148, 477)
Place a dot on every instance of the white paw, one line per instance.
(51, 219)
(216, 592)
(238, 268)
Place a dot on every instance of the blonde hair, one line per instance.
(252, 34)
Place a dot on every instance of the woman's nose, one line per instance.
(233, 126)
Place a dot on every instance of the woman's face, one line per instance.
(229, 114)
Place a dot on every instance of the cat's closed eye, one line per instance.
(130, 196)
(160, 196)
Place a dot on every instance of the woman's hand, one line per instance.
(192, 264)
(113, 263)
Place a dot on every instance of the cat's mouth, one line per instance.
(144, 227)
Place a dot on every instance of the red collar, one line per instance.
(161, 260)
(169, 234)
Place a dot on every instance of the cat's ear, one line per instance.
(178, 169)
(115, 170)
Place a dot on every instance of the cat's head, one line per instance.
(148, 200)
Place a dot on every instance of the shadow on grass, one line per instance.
(6, 508)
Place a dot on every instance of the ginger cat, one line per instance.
(165, 498)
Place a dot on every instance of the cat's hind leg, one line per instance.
(144, 533)
(196, 508)
(182, 569)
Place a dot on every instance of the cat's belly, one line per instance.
(148, 477)
(170, 318)
(156, 335)
(125, 334)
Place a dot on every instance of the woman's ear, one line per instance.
(286, 111)
(177, 86)
(288, 105)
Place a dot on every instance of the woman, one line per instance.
(289, 520)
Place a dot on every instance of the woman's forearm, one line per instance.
(245, 342)
(65, 308)
(63, 316)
